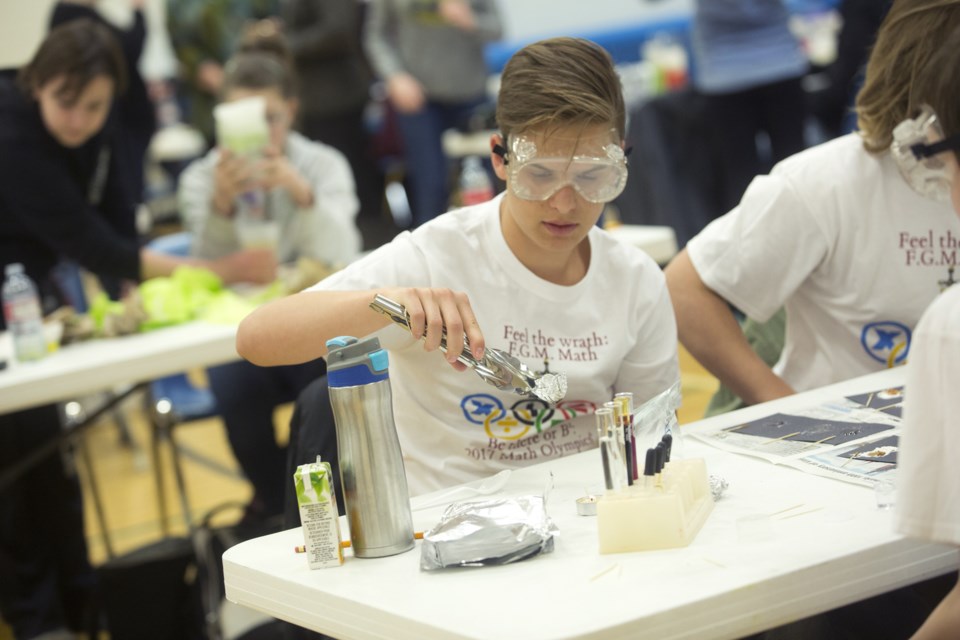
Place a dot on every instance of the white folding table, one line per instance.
(822, 544)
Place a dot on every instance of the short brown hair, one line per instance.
(557, 82)
(259, 70)
(913, 34)
(79, 50)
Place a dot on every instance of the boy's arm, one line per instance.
(708, 329)
(249, 265)
(295, 329)
(944, 622)
(377, 42)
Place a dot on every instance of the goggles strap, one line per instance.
(921, 150)
(502, 152)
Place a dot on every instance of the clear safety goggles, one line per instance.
(918, 148)
(597, 169)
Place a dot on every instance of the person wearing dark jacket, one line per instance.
(324, 41)
(63, 196)
(136, 115)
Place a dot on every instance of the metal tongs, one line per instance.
(497, 367)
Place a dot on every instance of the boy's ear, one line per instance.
(499, 166)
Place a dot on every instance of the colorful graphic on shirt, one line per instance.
(525, 416)
(519, 430)
(886, 342)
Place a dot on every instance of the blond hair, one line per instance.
(912, 35)
(560, 82)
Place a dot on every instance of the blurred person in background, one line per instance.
(204, 34)
(310, 193)
(749, 67)
(135, 118)
(136, 114)
(60, 199)
(430, 55)
(324, 40)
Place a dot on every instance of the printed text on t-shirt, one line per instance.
(927, 250)
(524, 343)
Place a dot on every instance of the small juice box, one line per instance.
(318, 514)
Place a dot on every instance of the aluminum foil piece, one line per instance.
(718, 486)
(486, 533)
(587, 505)
(550, 387)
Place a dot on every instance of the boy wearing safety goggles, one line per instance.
(530, 268)
(928, 494)
(834, 234)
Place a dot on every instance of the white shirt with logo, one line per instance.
(613, 331)
(836, 236)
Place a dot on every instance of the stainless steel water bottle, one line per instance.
(371, 468)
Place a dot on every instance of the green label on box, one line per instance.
(313, 483)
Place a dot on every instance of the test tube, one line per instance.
(604, 416)
(619, 435)
(609, 443)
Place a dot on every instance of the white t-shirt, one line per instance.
(612, 331)
(325, 231)
(836, 236)
(928, 485)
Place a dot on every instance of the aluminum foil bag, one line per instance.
(490, 532)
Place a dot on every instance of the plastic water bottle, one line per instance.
(21, 310)
(475, 185)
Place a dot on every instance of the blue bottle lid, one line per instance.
(352, 362)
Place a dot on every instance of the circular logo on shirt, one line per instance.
(478, 408)
(886, 342)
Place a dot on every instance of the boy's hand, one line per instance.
(210, 77)
(231, 177)
(276, 172)
(405, 93)
(431, 310)
(458, 13)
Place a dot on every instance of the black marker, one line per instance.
(668, 444)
